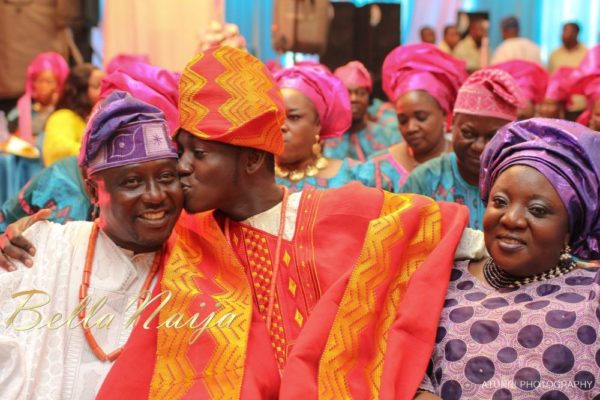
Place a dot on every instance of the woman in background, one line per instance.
(364, 137)
(422, 81)
(317, 108)
(43, 86)
(64, 128)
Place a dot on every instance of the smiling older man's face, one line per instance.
(139, 203)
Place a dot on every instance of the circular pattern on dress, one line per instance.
(475, 296)
(586, 334)
(598, 358)
(455, 275)
(554, 395)
(558, 359)
(440, 335)
(507, 355)
(451, 390)
(494, 303)
(546, 289)
(485, 331)
(570, 297)
(530, 336)
(585, 380)
(522, 298)
(479, 369)
(450, 303)
(460, 315)
(527, 379)
(537, 305)
(502, 394)
(465, 285)
(560, 319)
(512, 317)
(579, 280)
(455, 349)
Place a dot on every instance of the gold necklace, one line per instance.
(299, 174)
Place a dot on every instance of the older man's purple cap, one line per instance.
(568, 155)
(123, 130)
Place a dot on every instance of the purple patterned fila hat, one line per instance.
(123, 130)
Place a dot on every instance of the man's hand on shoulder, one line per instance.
(14, 246)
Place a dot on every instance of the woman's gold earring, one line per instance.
(316, 148)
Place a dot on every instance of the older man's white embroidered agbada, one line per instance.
(45, 363)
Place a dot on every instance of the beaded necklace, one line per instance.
(83, 292)
(498, 278)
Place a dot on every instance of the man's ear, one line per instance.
(253, 160)
(91, 186)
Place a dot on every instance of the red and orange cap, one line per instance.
(227, 95)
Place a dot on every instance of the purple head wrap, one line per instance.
(327, 93)
(568, 155)
(423, 66)
(123, 130)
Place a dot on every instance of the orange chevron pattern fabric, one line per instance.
(229, 96)
(195, 363)
(428, 235)
(374, 291)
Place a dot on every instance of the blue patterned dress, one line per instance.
(362, 144)
(384, 113)
(440, 179)
(381, 171)
(15, 171)
(57, 187)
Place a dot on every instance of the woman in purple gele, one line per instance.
(523, 323)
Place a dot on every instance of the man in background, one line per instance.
(513, 46)
(450, 40)
(571, 52)
(469, 49)
(427, 35)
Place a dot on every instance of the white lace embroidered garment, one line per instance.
(45, 363)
